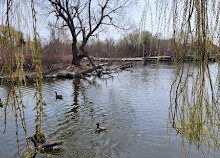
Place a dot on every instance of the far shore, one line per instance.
(70, 71)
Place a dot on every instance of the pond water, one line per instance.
(133, 105)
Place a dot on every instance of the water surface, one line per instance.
(133, 105)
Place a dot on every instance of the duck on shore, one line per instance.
(45, 146)
(100, 129)
(58, 96)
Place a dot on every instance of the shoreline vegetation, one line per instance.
(56, 55)
(103, 66)
(71, 71)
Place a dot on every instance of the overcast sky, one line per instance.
(22, 20)
(134, 15)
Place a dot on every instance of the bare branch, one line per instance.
(86, 18)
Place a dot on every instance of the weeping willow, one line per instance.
(13, 15)
(194, 108)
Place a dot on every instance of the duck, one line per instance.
(100, 129)
(58, 96)
(1, 103)
(40, 138)
(45, 146)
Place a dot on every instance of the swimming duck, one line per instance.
(40, 138)
(58, 96)
(47, 145)
(100, 129)
(1, 103)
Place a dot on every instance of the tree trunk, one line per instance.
(77, 57)
(75, 52)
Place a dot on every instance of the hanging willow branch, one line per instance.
(13, 68)
(12, 50)
(194, 109)
(37, 61)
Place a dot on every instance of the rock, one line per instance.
(48, 76)
(61, 75)
(54, 76)
(70, 75)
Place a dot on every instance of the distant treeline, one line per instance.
(132, 45)
(57, 51)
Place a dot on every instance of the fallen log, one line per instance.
(123, 66)
(91, 70)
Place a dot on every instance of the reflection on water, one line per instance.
(133, 106)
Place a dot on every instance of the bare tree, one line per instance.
(86, 18)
